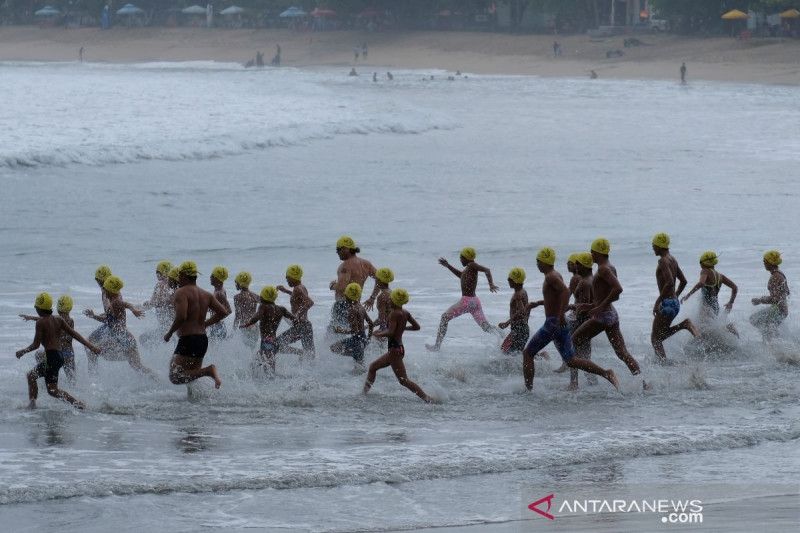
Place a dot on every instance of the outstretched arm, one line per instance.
(218, 312)
(457, 273)
(78, 337)
(734, 290)
(485, 270)
(37, 341)
(681, 282)
(138, 313)
(697, 286)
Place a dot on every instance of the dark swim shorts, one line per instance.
(50, 366)
(192, 346)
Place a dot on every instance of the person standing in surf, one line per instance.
(518, 314)
(667, 305)
(218, 276)
(606, 289)
(245, 305)
(555, 300)
(192, 305)
(768, 320)
(49, 332)
(269, 316)
(710, 283)
(469, 303)
(399, 321)
(300, 303)
(352, 269)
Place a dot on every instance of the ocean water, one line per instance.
(255, 170)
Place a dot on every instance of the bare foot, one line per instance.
(212, 370)
(542, 355)
(646, 385)
(612, 378)
(432, 347)
(563, 368)
(692, 328)
(79, 405)
(32, 404)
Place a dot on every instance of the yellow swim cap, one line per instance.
(353, 292)
(188, 268)
(517, 275)
(601, 246)
(385, 275)
(773, 257)
(64, 304)
(547, 256)
(43, 301)
(243, 279)
(163, 267)
(294, 272)
(573, 258)
(469, 253)
(399, 297)
(269, 294)
(585, 259)
(113, 284)
(661, 240)
(709, 258)
(346, 241)
(220, 272)
(173, 274)
(102, 272)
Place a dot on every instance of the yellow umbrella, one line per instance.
(790, 14)
(735, 14)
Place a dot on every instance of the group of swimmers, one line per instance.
(575, 312)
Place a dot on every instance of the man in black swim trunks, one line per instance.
(191, 305)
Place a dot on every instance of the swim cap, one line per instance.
(661, 240)
(43, 301)
(294, 272)
(220, 272)
(469, 253)
(547, 256)
(163, 267)
(269, 294)
(517, 275)
(573, 258)
(113, 284)
(353, 292)
(385, 275)
(173, 274)
(64, 304)
(102, 272)
(601, 246)
(399, 297)
(709, 258)
(585, 259)
(346, 241)
(243, 279)
(773, 257)
(188, 268)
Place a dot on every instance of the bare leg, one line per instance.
(33, 388)
(440, 335)
(381, 362)
(69, 370)
(618, 344)
(184, 369)
(659, 334)
(91, 359)
(590, 367)
(55, 392)
(732, 329)
(136, 363)
(528, 369)
(400, 371)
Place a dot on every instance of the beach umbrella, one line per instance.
(790, 14)
(233, 10)
(194, 10)
(323, 13)
(293, 12)
(735, 14)
(129, 9)
(47, 11)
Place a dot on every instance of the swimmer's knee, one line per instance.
(52, 390)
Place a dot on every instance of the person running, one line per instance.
(768, 320)
(49, 331)
(667, 305)
(118, 344)
(63, 306)
(383, 277)
(710, 283)
(353, 346)
(683, 72)
(99, 334)
(603, 317)
(301, 330)
(573, 283)
(245, 305)
(582, 304)
(517, 315)
(352, 269)
(218, 276)
(269, 316)
(555, 298)
(161, 302)
(191, 304)
(399, 321)
(469, 303)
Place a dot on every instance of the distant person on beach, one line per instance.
(768, 320)
(555, 298)
(389, 76)
(356, 52)
(667, 305)
(374, 77)
(49, 332)
(593, 75)
(364, 51)
(556, 49)
(399, 320)
(191, 308)
(353, 72)
(356, 316)
(300, 303)
(276, 60)
(352, 269)
(217, 279)
(469, 303)
(518, 314)
(63, 306)
(259, 59)
(683, 72)
(245, 304)
(80, 55)
(118, 343)
(603, 317)
(710, 283)
(269, 316)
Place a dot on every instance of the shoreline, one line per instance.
(767, 61)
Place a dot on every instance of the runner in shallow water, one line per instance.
(768, 320)
(710, 282)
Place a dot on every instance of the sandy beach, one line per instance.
(771, 61)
